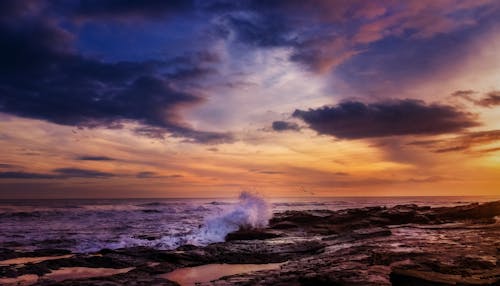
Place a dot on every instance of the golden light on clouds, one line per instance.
(396, 98)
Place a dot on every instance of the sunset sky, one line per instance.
(115, 98)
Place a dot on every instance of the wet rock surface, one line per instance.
(403, 245)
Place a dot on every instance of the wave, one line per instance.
(31, 214)
(251, 211)
(217, 203)
(104, 208)
(301, 204)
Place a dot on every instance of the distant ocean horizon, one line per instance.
(235, 197)
(87, 225)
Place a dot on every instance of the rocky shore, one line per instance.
(402, 245)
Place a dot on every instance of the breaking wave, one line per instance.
(251, 211)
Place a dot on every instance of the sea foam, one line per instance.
(251, 211)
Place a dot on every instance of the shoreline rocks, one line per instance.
(402, 245)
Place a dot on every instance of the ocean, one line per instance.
(88, 225)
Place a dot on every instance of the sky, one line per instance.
(115, 98)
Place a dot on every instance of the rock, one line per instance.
(296, 217)
(409, 277)
(250, 234)
(6, 253)
(468, 212)
(284, 225)
(370, 232)
(47, 252)
(375, 246)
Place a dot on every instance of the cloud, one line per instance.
(489, 150)
(464, 93)
(61, 173)
(26, 175)
(154, 175)
(464, 142)
(356, 120)
(490, 99)
(81, 173)
(468, 141)
(95, 158)
(6, 166)
(44, 77)
(285, 126)
(323, 34)
(123, 9)
(267, 172)
(189, 135)
(71, 173)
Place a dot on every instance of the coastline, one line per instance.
(400, 245)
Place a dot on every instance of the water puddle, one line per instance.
(23, 280)
(66, 273)
(61, 274)
(189, 276)
(24, 260)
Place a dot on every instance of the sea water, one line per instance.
(90, 225)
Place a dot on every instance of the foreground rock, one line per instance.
(403, 245)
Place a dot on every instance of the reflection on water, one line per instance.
(66, 273)
(189, 276)
(23, 280)
(61, 274)
(24, 260)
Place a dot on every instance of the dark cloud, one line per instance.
(61, 173)
(323, 34)
(205, 137)
(313, 43)
(465, 142)
(452, 149)
(355, 120)
(153, 175)
(489, 150)
(81, 173)
(463, 93)
(261, 30)
(189, 135)
(13, 8)
(284, 126)
(341, 174)
(68, 173)
(267, 172)
(125, 9)
(43, 77)
(424, 142)
(6, 166)
(191, 73)
(192, 66)
(95, 158)
(490, 99)
(430, 179)
(146, 175)
(25, 175)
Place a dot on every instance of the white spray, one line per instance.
(251, 211)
